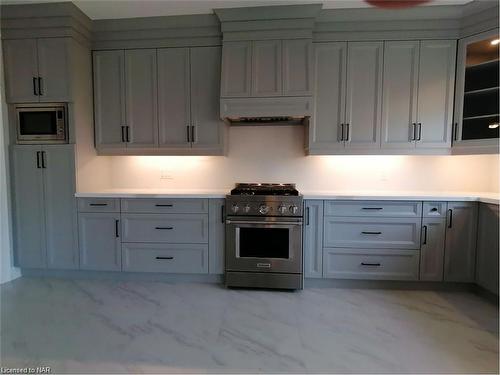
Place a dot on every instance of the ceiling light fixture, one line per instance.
(494, 42)
(493, 126)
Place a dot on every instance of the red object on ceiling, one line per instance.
(395, 4)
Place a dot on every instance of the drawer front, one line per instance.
(434, 209)
(98, 205)
(178, 228)
(165, 206)
(372, 233)
(370, 264)
(179, 258)
(373, 208)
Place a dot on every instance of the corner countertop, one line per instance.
(485, 197)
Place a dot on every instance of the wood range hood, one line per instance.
(267, 58)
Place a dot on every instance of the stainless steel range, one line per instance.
(264, 236)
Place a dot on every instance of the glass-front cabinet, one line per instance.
(477, 89)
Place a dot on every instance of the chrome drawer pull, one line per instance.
(164, 258)
(372, 208)
(164, 228)
(371, 232)
(263, 265)
(370, 264)
(164, 205)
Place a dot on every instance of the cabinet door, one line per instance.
(297, 67)
(236, 69)
(364, 94)
(141, 98)
(313, 238)
(174, 97)
(325, 130)
(29, 218)
(460, 248)
(216, 235)
(266, 68)
(432, 249)
(205, 88)
(109, 98)
(21, 70)
(53, 69)
(60, 206)
(100, 247)
(436, 84)
(399, 112)
(487, 247)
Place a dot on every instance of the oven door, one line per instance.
(41, 125)
(264, 244)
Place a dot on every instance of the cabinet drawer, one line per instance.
(165, 258)
(98, 205)
(370, 264)
(434, 209)
(372, 232)
(373, 208)
(172, 228)
(171, 206)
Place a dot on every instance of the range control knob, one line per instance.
(282, 209)
(235, 208)
(263, 209)
(246, 209)
(293, 209)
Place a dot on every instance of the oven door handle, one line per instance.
(264, 222)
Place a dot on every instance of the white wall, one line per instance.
(275, 154)
(7, 271)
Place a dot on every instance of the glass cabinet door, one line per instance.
(477, 112)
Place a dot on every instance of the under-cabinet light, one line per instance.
(494, 42)
(493, 126)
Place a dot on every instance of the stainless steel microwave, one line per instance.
(41, 123)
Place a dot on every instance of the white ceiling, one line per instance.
(105, 9)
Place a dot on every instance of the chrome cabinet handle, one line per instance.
(450, 218)
(164, 228)
(307, 216)
(372, 208)
(44, 163)
(341, 132)
(419, 138)
(368, 232)
(35, 92)
(98, 204)
(40, 86)
(424, 240)
(117, 234)
(347, 132)
(38, 159)
(412, 131)
(263, 265)
(188, 133)
(127, 133)
(370, 264)
(123, 133)
(164, 258)
(193, 134)
(164, 205)
(264, 222)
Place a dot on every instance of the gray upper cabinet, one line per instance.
(487, 247)
(207, 127)
(236, 69)
(44, 206)
(460, 248)
(432, 249)
(436, 84)
(21, 70)
(313, 239)
(297, 67)
(174, 97)
(364, 94)
(141, 98)
(99, 236)
(60, 206)
(37, 70)
(266, 68)
(399, 112)
(109, 98)
(29, 216)
(325, 130)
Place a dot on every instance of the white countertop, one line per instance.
(484, 197)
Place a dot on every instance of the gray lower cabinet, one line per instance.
(44, 206)
(313, 238)
(171, 258)
(100, 244)
(432, 249)
(460, 248)
(487, 247)
(216, 235)
(374, 264)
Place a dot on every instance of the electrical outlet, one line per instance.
(166, 175)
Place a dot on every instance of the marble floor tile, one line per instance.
(102, 326)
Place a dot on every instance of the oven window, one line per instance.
(264, 243)
(37, 123)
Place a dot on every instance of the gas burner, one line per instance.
(264, 189)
